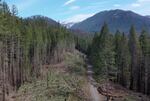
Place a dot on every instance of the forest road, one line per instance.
(94, 95)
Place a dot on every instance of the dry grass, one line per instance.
(64, 81)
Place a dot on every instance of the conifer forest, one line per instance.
(44, 60)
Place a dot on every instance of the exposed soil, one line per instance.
(94, 94)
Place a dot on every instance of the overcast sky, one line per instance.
(76, 10)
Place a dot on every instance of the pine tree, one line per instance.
(144, 43)
(135, 59)
(14, 10)
(26, 45)
(118, 40)
(102, 53)
(5, 8)
(122, 59)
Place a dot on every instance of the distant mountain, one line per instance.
(48, 20)
(148, 16)
(68, 25)
(116, 19)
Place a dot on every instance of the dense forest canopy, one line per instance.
(122, 59)
(26, 45)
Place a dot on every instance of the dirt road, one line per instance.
(95, 96)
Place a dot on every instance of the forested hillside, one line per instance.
(40, 60)
(122, 59)
(116, 19)
(26, 45)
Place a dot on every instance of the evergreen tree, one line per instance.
(135, 59)
(14, 10)
(5, 8)
(102, 53)
(122, 59)
(144, 43)
(26, 45)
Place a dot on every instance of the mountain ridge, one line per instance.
(116, 20)
(49, 21)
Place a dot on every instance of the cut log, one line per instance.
(110, 92)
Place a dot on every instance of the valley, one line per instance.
(104, 57)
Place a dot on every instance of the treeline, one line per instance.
(82, 43)
(122, 59)
(26, 45)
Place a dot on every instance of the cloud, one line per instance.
(141, 1)
(25, 4)
(75, 7)
(69, 2)
(78, 18)
(116, 5)
(135, 5)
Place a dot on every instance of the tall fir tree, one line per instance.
(144, 43)
(103, 53)
(122, 59)
(134, 47)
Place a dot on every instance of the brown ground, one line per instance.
(119, 93)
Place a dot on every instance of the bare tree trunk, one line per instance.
(146, 75)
